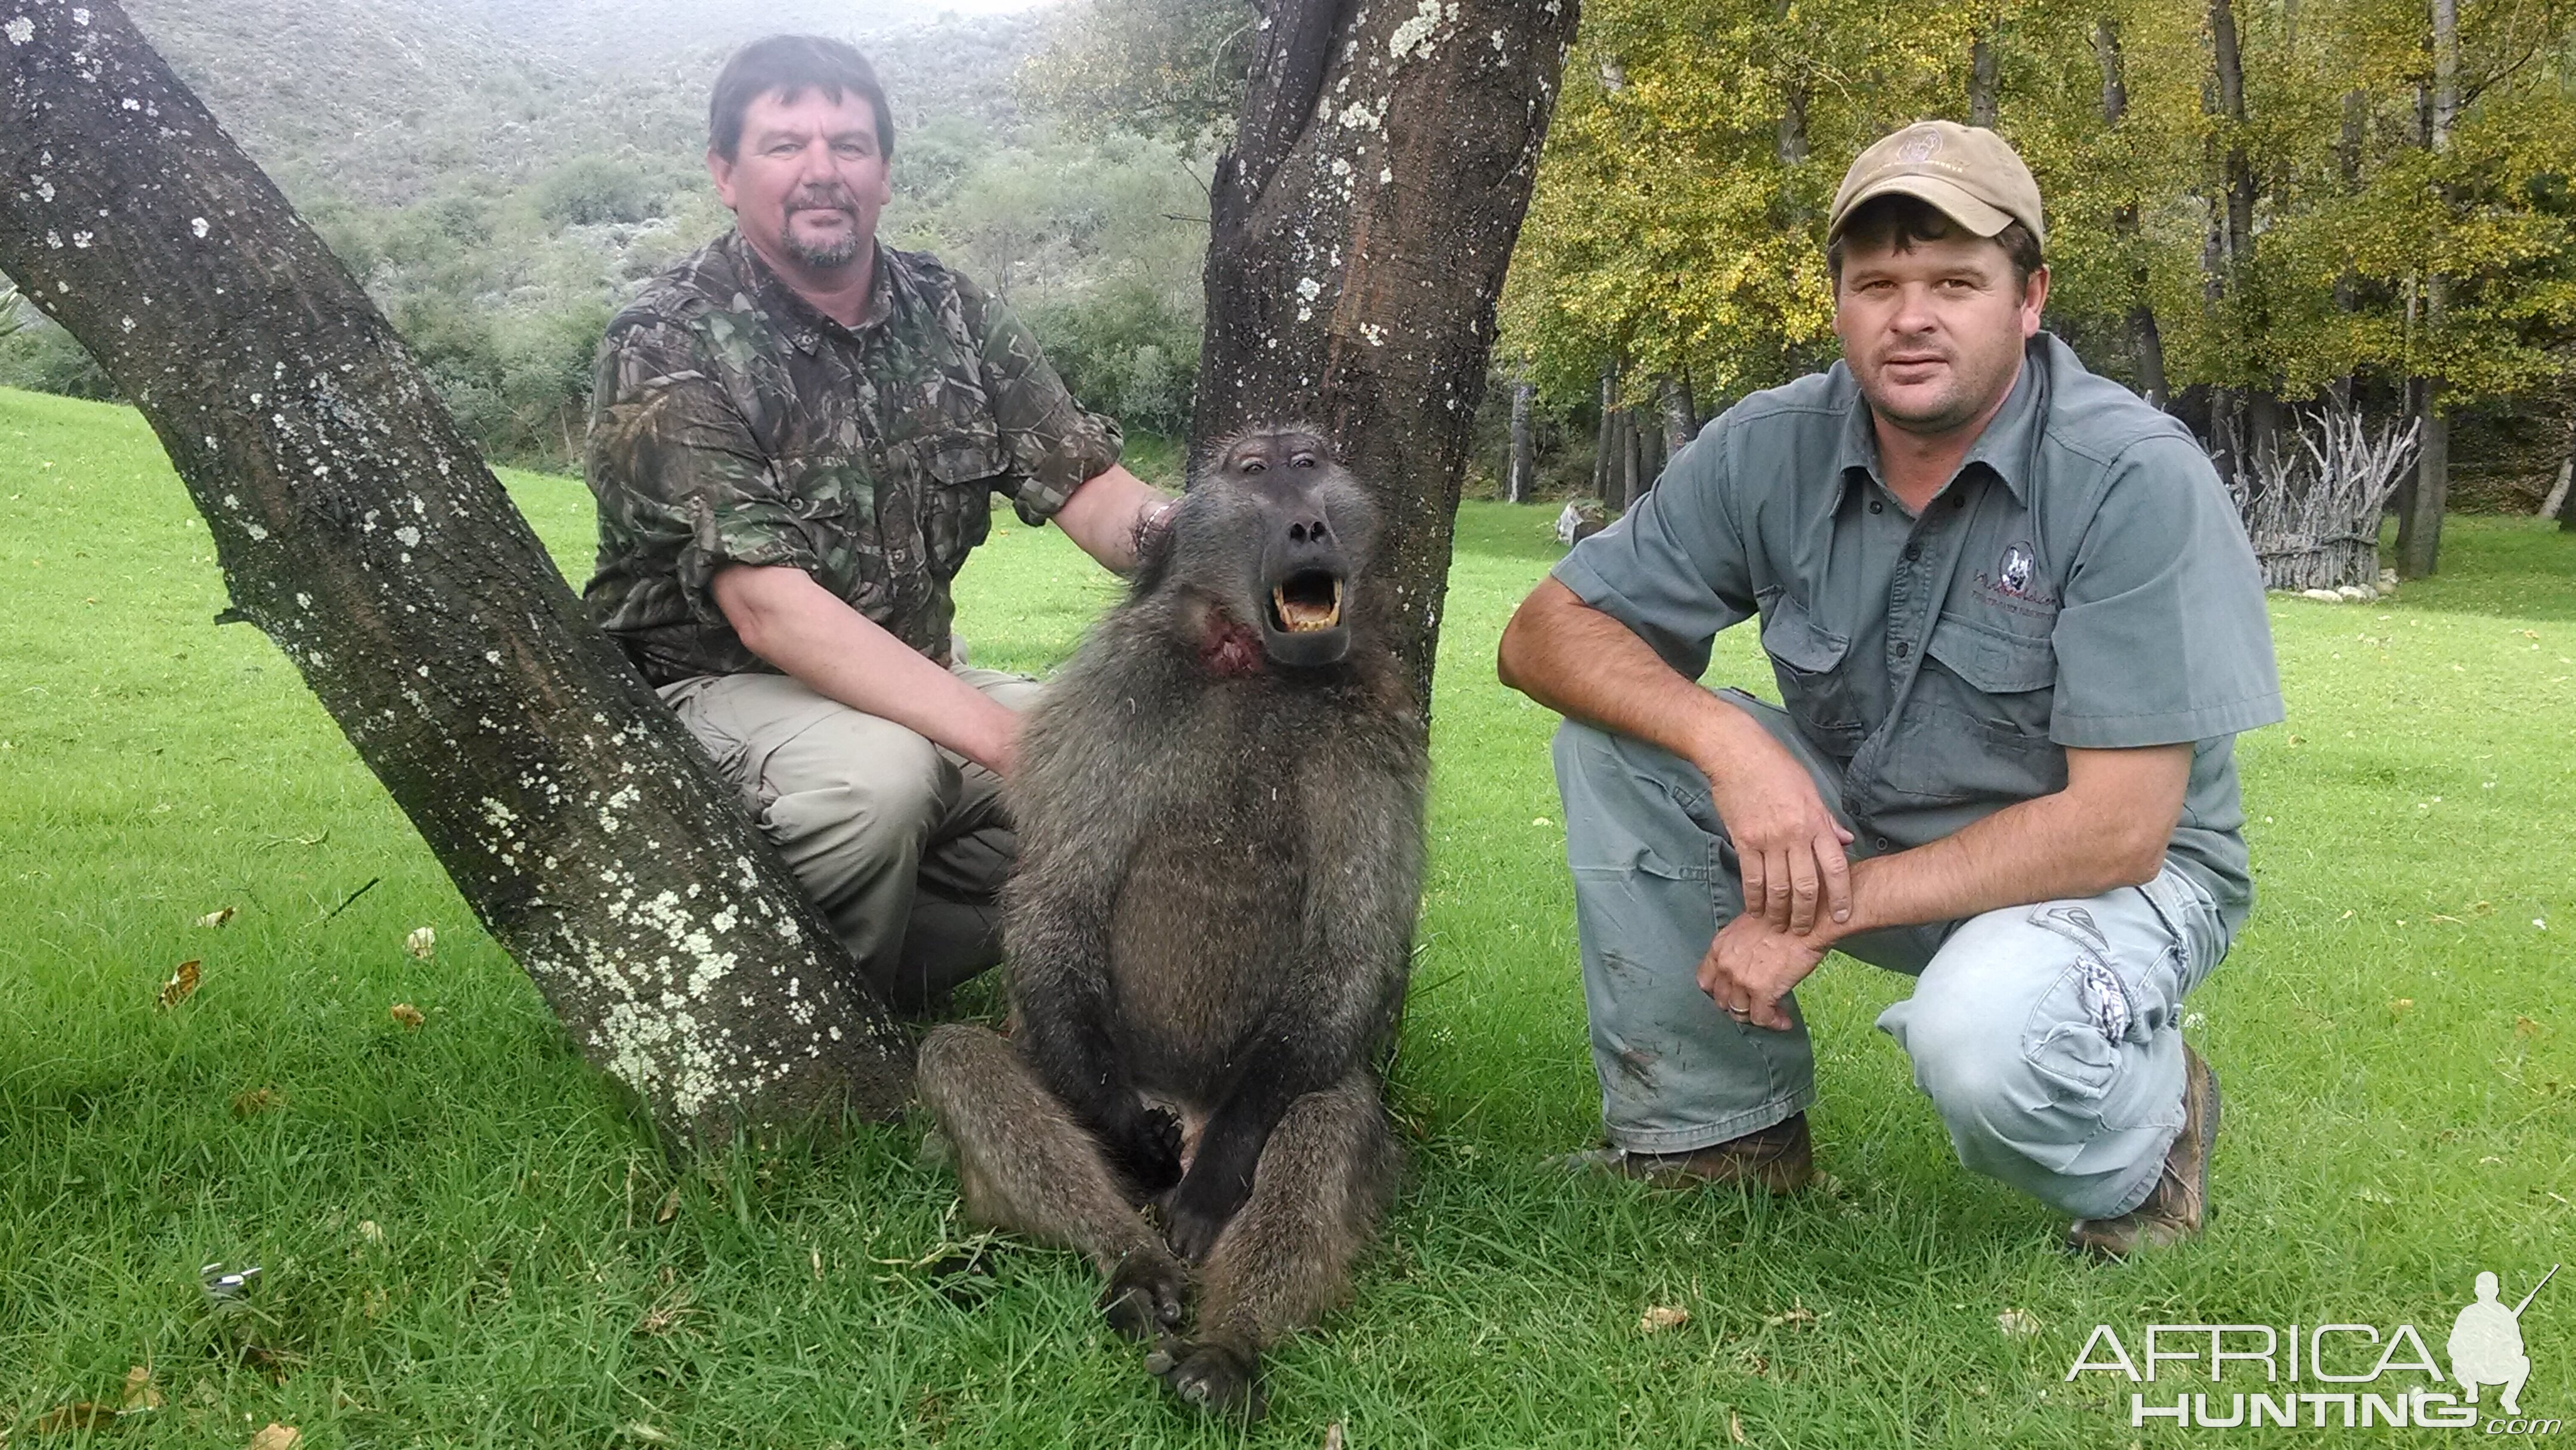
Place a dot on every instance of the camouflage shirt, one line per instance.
(732, 423)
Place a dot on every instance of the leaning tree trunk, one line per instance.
(357, 528)
(1361, 226)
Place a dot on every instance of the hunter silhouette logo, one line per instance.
(2486, 1343)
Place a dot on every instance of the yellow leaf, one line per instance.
(255, 1102)
(216, 918)
(408, 1015)
(181, 986)
(1660, 1317)
(139, 1391)
(1735, 1427)
(277, 1437)
(422, 943)
(83, 1415)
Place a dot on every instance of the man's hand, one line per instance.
(1752, 965)
(1788, 847)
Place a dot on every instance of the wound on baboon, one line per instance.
(1219, 801)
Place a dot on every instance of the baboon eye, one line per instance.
(1301, 460)
(1253, 465)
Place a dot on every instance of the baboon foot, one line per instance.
(1144, 1299)
(1218, 1378)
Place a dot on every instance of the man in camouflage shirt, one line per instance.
(794, 438)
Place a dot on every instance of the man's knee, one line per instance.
(1968, 1052)
(860, 804)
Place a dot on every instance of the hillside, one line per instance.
(381, 102)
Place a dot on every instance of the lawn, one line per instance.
(465, 1240)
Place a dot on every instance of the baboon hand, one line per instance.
(1147, 1149)
(1215, 1377)
(1199, 1211)
(1144, 1297)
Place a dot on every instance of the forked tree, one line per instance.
(358, 529)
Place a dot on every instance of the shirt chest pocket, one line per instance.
(958, 469)
(1976, 726)
(1813, 667)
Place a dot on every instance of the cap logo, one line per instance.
(1919, 147)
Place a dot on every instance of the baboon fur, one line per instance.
(1220, 823)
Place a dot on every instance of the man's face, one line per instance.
(808, 178)
(1934, 332)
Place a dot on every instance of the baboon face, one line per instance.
(1273, 537)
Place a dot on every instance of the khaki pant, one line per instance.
(903, 844)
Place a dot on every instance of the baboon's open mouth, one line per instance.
(1307, 602)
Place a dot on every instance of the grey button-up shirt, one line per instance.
(2082, 581)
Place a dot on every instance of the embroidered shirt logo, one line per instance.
(2012, 573)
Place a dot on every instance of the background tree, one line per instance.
(2241, 231)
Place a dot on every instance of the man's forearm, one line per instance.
(1582, 663)
(1105, 516)
(786, 618)
(2107, 829)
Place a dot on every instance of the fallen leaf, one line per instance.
(1795, 1314)
(181, 986)
(1333, 1436)
(2017, 1322)
(2525, 1027)
(81, 1416)
(255, 1102)
(1660, 1317)
(1735, 1427)
(670, 1208)
(408, 1015)
(277, 1437)
(2400, 1006)
(140, 1394)
(370, 1230)
(422, 942)
(216, 918)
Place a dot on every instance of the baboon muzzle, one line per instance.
(1305, 584)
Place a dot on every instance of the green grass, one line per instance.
(460, 1229)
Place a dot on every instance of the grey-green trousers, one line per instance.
(2047, 1036)
(903, 844)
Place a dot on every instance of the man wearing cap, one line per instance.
(2015, 626)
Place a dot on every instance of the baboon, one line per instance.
(1219, 801)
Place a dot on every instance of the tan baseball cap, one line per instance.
(1967, 171)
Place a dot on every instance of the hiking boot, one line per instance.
(2180, 1202)
(1777, 1159)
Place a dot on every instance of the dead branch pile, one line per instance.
(2313, 511)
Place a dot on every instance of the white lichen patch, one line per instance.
(1413, 37)
(197, 224)
(20, 30)
(409, 536)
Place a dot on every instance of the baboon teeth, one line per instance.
(1306, 616)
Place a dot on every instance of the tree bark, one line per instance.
(357, 528)
(1985, 86)
(1524, 460)
(2419, 528)
(1361, 226)
(1632, 460)
(1681, 419)
(2146, 340)
(2255, 408)
(1605, 438)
